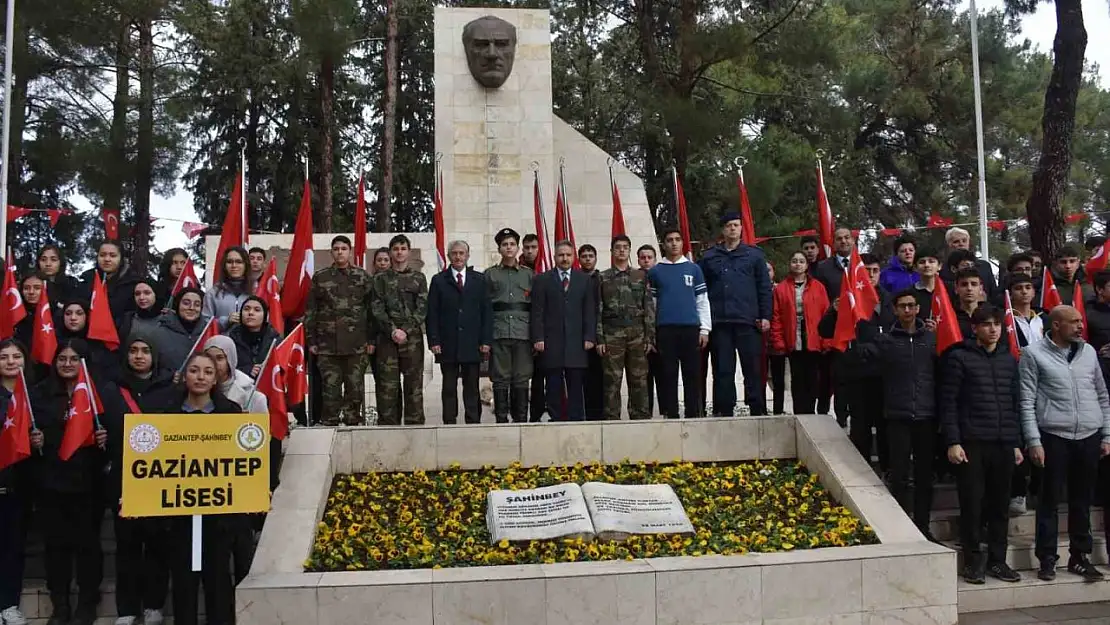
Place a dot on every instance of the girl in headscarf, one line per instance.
(179, 330)
(253, 335)
(146, 310)
(227, 295)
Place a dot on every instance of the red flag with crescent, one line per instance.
(269, 290)
(292, 355)
(187, 279)
(12, 310)
(271, 383)
(44, 338)
(1011, 327)
(1050, 296)
(111, 223)
(80, 420)
(101, 326)
(15, 437)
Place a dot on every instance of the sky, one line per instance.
(1039, 28)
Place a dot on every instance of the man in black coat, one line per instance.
(460, 331)
(564, 329)
(906, 357)
(979, 421)
(830, 272)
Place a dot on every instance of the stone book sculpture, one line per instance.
(595, 509)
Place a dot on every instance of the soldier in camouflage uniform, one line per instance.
(400, 305)
(625, 332)
(510, 290)
(338, 332)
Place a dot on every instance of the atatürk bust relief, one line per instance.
(490, 44)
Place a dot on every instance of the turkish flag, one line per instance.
(1011, 328)
(948, 327)
(825, 223)
(847, 313)
(437, 219)
(936, 221)
(1050, 296)
(269, 290)
(360, 225)
(298, 273)
(618, 209)
(12, 310)
(111, 223)
(544, 256)
(564, 227)
(866, 296)
(271, 383)
(80, 421)
(235, 231)
(1097, 262)
(55, 214)
(15, 212)
(683, 216)
(211, 329)
(101, 326)
(44, 337)
(187, 279)
(192, 229)
(747, 233)
(293, 360)
(1078, 303)
(15, 438)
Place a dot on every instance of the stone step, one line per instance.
(945, 524)
(35, 601)
(1029, 592)
(1020, 552)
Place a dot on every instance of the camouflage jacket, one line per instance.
(624, 301)
(400, 301)
(337, 314)
(510, 292)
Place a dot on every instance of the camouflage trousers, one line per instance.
(395, 361)
(342, 387)
(625, 349)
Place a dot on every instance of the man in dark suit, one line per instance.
(564, 329)
(460, 331)
(830, 272)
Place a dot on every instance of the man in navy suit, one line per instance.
(564, 330)
(460, 331)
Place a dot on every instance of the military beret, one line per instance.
(727, 217)
(505, 233)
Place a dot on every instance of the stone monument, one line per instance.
(494, 126)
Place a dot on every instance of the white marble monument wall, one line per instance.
(490, 138)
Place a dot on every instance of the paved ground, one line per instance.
(1078, 614)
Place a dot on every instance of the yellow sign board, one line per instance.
(195, 464)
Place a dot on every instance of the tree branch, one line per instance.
(779, 22)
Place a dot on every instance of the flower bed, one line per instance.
(436, 519)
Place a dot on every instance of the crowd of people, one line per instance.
(562, 343)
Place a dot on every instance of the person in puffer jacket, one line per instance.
(1065, 418)
(981, 428)
(906, 356)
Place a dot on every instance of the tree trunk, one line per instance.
(285, 195)
(144, 155)
(389, 120)
(1046, 224)
(117, 146)
(20, 82)
(327, 117)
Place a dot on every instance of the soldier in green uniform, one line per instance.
(511, 365)
(338, 332)
(625, 332)
(400, 305)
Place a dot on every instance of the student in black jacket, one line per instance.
(69, 492)
(863, 380)
(979, 421)
(142, 554)
(15, 492)
(51, 264)
(253, 336)
(198, 394)
(118, 277)
(906, 357)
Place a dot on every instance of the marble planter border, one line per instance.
(904, 578)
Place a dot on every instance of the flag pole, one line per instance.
(984, 239)
(89, 392)
(197, 342)
(5, 152)
(254, 387)
(243, 191)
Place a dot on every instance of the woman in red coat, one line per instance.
(799, 304)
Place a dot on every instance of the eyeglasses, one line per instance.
(906, 306)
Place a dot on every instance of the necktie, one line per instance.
(844, 262)
(566, 282)
(459, 280)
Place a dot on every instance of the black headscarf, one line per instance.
(188, 325)
(64, 333)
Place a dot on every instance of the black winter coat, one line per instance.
(563, 321)
(1098, 331)
(120, 287)
(62, 289)
(907, 363)
(979, 395)
(830, 272)
(84, 472)
(459, 322)
(252, 346)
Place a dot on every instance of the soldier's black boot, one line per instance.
(521, 398)
(501, 404)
